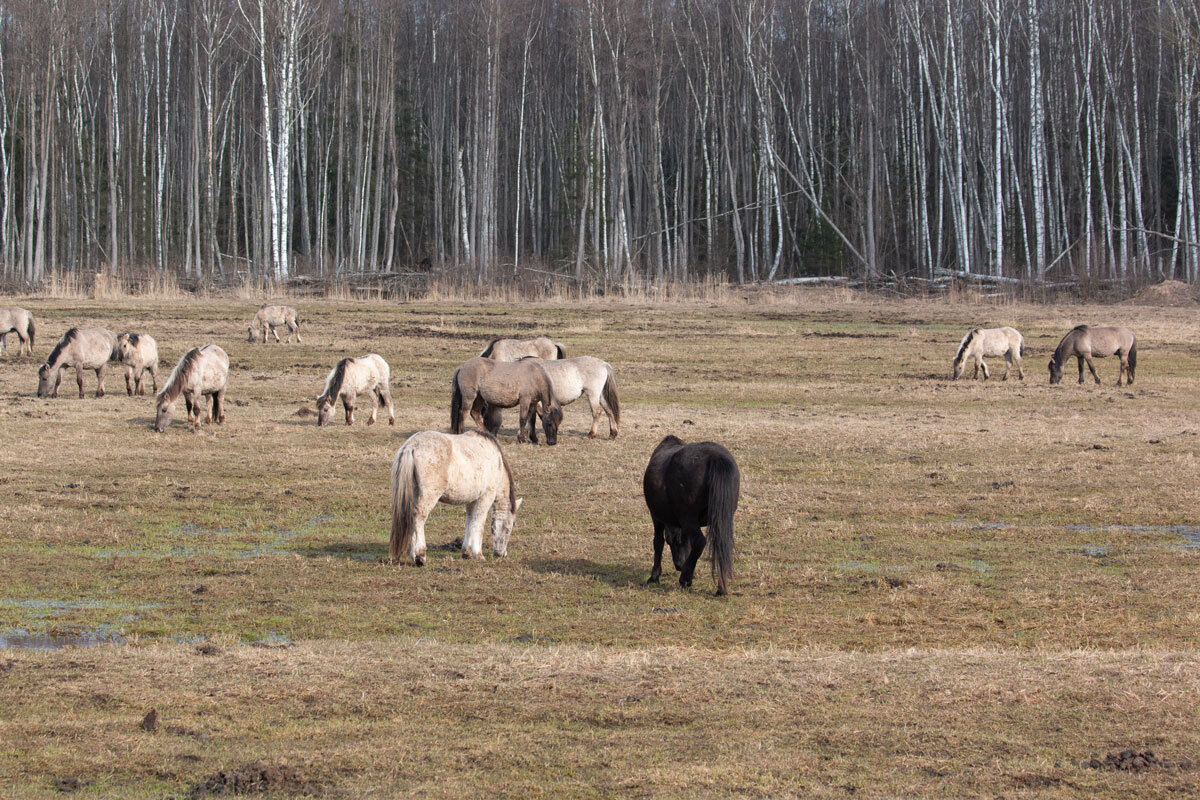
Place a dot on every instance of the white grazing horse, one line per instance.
(351, 376)
(81, 348)
(270, 317)
(981, 342)
(515, 349)
(570, 378)
(202, 371)
(18, 321)
(466, 469)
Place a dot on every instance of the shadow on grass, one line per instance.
(621, 575)
(353, 551)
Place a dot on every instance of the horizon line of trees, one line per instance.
(603, 140)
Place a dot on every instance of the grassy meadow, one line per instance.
(942, 589)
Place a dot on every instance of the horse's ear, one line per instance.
(517, 506)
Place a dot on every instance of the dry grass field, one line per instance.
(941, 589)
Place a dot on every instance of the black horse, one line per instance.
(688, 486)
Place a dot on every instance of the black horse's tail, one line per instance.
(723, 484)
(1132, 359)
(456, 405)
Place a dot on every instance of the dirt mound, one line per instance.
(253, 778)
(1133, 761)
(1167, 293)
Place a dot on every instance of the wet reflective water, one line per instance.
(16, 639)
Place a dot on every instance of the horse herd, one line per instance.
(687, 487)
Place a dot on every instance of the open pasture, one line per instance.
(941, 589)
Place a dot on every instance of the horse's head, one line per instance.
(45, 380)
(502, 528)
(1056, 372)
(162, 419)
(550, 421)
(250, 330)
(124, 349)
(324, 409)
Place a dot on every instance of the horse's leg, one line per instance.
(100, 381)
(374, 408)
(79, 378)
(477, 511)
(154, 376)
(385, 397)
(477, 413)
(4, 345)
(348, 404)
(425, 505)
(1092, 369)
(983, 364)
(1007, 364)
(656, 570)
(129, 380)
(1020, 365)
(595, 406)
(528, 419)
(219, 406)
(689, 567)
(58, 380)
(1079, 359)
(275, 333)
(200, 403)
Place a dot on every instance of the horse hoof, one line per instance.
(612, 435)
(469, 556)
(419, 561)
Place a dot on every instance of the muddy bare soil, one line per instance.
(254, 778)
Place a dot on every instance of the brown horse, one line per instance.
(481, 383)
(1083, 342)
(81, 348)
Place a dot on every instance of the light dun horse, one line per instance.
(1084, 342)
(463, 470)
(202, 371)
(81, 348)
(482, 384)
(139, 353)
(18, 321)
(515, 349)
(351, 376)
(571, 378)
(688, 486)
(270, 317)
(981, 342)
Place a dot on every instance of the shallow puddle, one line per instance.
(15, 639)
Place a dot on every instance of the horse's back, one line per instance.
(214, 368)
(457, 467)
(676, 480)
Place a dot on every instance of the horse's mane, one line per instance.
(1057, 358)
(333, 386)
(512, 487)
(562, 351)
(134, 338)
(67, 338)
(174, 385)
(962, 348)
(487, 351)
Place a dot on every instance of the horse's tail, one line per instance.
(1132, 358)
(1021, 349)
(610, 394)
(31, 329)
(723, 483)
(562, 351)
(456, 404)
(406, 491)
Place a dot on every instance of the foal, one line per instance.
(139, 353)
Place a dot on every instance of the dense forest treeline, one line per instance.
(605, 140)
